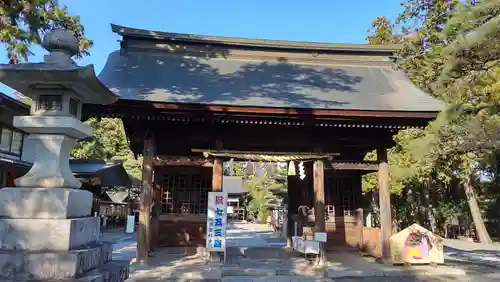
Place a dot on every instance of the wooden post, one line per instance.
(155, 215)
(384, 202)
(144, 236)
(292, 208)
(217, 176)
(319, 204)
(360, 222)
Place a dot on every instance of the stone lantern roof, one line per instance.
(57, 72)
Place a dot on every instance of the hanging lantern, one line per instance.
(291, 168)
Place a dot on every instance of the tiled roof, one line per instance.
(347, 80)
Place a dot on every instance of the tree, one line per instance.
(261, 197)
(455, 60)
(265, 183)
(109, 142)
(24, 22)
(381, 32)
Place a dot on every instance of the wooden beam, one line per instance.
(230, 109)
(319, 203)
(355, 165)
(144, 232)
(163, 160)
(217, 175)
(384, 202)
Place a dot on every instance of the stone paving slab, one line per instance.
(251, 260)
(176, 266)
(274, 279)
(352, 265)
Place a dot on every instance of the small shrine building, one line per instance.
(189, 102)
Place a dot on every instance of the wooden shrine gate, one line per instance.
(179, 92)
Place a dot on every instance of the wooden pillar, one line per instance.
(360, 223)
(319, 203)
(144, 232)
(155, 214)
(291, 209)
(217, 175)
(384, 202)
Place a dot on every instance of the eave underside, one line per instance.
(178, 132)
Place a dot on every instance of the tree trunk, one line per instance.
(410, 197)
(481, 231)
(431, 211)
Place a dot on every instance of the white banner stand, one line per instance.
(216, 222)
(130, 224)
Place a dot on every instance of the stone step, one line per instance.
(112, 271)
(22, 265)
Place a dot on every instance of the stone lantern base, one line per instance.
(47, 234)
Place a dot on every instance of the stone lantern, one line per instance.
(46, 230)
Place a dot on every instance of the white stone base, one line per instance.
(48, 234)
(53, 125)
(44, 203)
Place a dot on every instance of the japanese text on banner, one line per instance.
(216, 221)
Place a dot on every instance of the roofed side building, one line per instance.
(193, 98)
(11, 145)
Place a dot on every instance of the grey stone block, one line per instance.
(46, 203)
(45, 266)
(48, 234)
(113, 271)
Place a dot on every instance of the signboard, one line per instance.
(320, 236)
(130, 224)
(216, 222)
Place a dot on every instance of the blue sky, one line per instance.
(333, 21)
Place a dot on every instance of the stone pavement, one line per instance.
(247, 235)
(464, 252)
(252, 258)
(124, 247)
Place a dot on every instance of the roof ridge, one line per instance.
(238, 41)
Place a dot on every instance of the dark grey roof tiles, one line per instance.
(177, 78)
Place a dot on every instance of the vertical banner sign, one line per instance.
(216, 222)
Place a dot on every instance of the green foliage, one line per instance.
(24, 22)
(263, 214)
(109, 143)
(451, 50)
(382, 32)
(264, 191)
